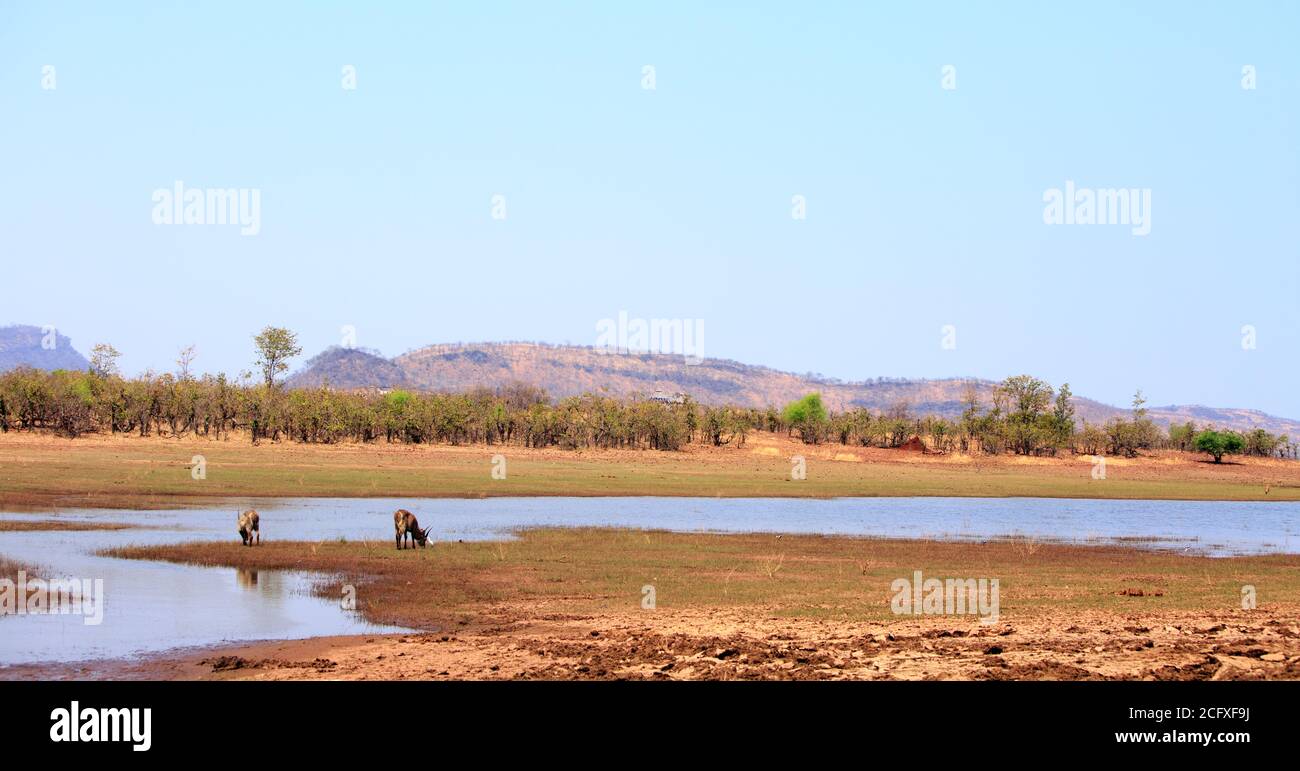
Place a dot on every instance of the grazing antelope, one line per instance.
(405, 523)
(248, 527)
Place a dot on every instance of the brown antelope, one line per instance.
(405, 523)
(248, 527)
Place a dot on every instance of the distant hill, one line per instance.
(570, 370)
(20, 345)
(1226, 417)
(350, 368)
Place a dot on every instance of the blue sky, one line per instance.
(924, 205)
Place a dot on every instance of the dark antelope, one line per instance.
(248, 530)
(405, 523)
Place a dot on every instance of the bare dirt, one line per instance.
(546, 643)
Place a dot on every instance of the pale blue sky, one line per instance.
(924, 205)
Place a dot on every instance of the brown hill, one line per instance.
(570, 370)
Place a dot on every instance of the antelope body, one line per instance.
(248, 528)
(405, 523)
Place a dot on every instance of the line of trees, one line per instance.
(1025, 416)
(75, 403)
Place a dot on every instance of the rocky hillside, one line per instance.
(570, 370)
(22, 346)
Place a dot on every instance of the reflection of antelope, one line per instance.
(405, 523)
(247, 579)
(248, 529)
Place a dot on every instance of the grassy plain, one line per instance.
(133, 472)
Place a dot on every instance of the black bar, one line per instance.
(321, 719)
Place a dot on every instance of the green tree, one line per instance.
(1262, 443)
(1182, 437)
(1219, 443)
(275, 346)
(807, 416)
(1063, 417)
(1027, 399)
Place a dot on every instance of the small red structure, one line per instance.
(913, 445)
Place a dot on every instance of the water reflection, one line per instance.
(246, 577)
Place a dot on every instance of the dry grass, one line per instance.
(9, 569)
(18, 526)
(130, 472)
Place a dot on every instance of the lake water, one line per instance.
(152, 606)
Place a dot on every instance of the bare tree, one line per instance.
(187, 355)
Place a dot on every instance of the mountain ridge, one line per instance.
(569, 370)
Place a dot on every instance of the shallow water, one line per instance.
(152, 606)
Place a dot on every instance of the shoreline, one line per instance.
(54, 506)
